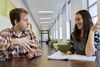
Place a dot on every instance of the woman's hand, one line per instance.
(96, 27)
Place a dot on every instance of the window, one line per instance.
(92, 7)
(60, 32)
(44, 37)
(60, 19)
(93, 10)
(68, 30)
(91, 2)
(56, 29)
(56, 34)
(68, 23)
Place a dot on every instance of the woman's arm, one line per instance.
(90, 48)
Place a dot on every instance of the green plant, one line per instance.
(64, 47)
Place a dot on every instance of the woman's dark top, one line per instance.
(78, 47)
(97, 45)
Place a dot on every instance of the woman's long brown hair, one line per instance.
(87, 24)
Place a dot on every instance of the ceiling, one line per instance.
(44, 12)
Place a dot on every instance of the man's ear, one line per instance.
(15, 21)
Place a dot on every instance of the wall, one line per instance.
(5, 7)
(98, 9)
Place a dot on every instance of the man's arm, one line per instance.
(5, 39)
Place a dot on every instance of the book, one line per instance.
(59, 56)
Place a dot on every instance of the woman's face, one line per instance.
(79, 21)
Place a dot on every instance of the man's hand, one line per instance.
(25, 43)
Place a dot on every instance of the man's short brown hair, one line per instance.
(15, 14)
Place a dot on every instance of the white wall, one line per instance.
(98, 9)
(75, 6)
(4, 23)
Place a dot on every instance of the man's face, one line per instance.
(23, 23)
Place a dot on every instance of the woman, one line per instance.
(82, 39)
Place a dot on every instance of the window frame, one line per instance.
(88, 7)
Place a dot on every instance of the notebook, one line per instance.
(59, 56)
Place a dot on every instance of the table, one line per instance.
(44, 62)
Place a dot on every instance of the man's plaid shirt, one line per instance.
(6, 37)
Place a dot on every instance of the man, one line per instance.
(19, 39)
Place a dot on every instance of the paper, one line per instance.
(58, 55)
(82, 58)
